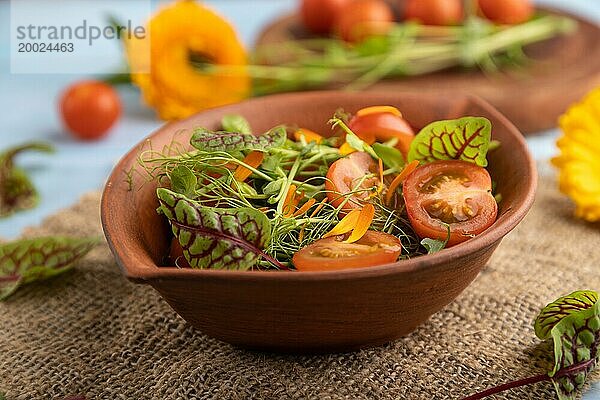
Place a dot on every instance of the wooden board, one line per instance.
(563, 70)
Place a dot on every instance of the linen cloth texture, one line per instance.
(91, 332)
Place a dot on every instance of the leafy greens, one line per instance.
(30, 260)
(436, 245)
(17, 192)
(573, 324)
(206, 140)
(217, 238)
(466, 139)
(285, 195)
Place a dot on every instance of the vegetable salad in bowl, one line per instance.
(292, 199)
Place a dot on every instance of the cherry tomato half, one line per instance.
(345, 175)
(374, 248)
(456, 193)
(434, 12)
(363, 19)
(383, 126)
(319, 16)
(506, 11)
(89, 109)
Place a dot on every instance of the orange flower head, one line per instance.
(181, 36)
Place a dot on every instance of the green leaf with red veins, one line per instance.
(216, 238)
(30, 260)
(16, 190)
(576, 338)
(205, 140)
(554, 312)
(466, 139)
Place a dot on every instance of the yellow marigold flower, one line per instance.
(178, 34)
(579, 159)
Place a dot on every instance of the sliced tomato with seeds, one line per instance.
(332, 253)
(450, 193)
(383, 126)
(352, 173)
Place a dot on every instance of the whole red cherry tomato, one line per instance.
(434, 12)
(89, 109)
(506, 11)
(363, 19)
(319, 16)
(449, 193)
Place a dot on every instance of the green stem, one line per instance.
(285, 188)
(416, 50)
(254, 170)
(319, 156)
(308, 186)
(527, 33)
(387, 64)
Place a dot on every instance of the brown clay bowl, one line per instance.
(314, 311)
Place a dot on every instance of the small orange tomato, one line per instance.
(319, 16)
(89, 109)
(506, 11)
(434, 12)
(364, 18)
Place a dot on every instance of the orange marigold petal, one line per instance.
(410, 167)
(319, 207)
(347, 224)
(309, 136)
(253, 159)
(346, 149)
(292, 199)
(305, 207)
(365, 219)
(161, 67)
(377, 110)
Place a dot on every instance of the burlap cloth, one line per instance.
(91, 332)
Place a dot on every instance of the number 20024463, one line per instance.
(27, 47)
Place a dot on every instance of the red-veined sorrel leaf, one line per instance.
(554, 312)
(573, 323)
(576, 337)
(217, 238)
(465, 139)
(16, 190)
(29, 260)
(206, 140)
